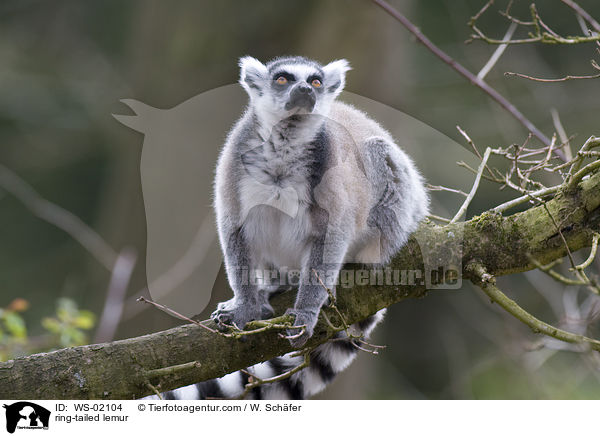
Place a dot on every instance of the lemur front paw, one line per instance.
(307, 319)
(232, 313)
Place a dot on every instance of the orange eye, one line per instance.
(316, 83)
(281, 80)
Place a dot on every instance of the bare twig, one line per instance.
(351, 337)
(181, 270)
(592, 142)
(175, 314)
(472, 144)
(525, 198)
(439, 218)
(443, 188)
(282, 322)
(465, 73)
(465, 205)
(117, 288)
(498, 53)
(592, 255)
(488, 284)
(547, 269)
(256, 381)
(170, 370)
(561, 134)
(542, 32)
(562, 79)
(583, 13)
(156, 391)
(59, 217)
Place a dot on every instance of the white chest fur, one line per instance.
(275, 198)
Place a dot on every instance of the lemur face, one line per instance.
(291, 85)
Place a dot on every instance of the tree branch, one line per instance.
(187, 354)
(478, 82)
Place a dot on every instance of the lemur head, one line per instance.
(291, 85)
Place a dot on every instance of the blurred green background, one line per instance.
(65, 65)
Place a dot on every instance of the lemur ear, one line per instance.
(252, 75)
(335, 75)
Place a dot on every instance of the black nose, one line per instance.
(302, 96)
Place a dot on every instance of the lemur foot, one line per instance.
(306, 319)
(232, 313)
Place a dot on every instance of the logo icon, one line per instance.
(26, 415)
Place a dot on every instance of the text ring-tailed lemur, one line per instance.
(304, 184)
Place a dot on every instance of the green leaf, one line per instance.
(85, 320)
(15, 325)
(52, 325)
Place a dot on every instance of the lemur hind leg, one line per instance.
(389, 175)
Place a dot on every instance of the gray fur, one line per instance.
(307, 183)
(304, 183)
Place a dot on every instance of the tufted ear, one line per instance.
(335, 75)
(252, 75)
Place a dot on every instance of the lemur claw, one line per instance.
(303, 327)
(231, 315)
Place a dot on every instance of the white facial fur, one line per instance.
(269, 106)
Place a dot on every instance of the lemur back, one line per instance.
(304, 184)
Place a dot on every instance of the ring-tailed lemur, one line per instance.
(304, 183)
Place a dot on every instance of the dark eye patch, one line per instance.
(313, 77)
(288, 76)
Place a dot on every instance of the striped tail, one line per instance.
(326, 361)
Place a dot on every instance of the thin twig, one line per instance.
(256, 381)
(465, 205)
(156, 391)
(472, 144)
(465, 73)
(494, 179)
(547, 269)
(439, 218)
(115, 297)
(170, 370)
(592, 255)
(592, 142)
(562, 134)
(558, 230)
(345, 327)
(525, 198)
(282, 322)
(562, 79)
(443, 188)
(59, 217)
(175, 314)
(498, 52)
(179, 272)
(583, 13)
(488, 284)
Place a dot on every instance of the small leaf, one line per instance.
(15, 325)
(85, 320)
(51, 324)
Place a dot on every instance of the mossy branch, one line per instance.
(487, 283)
(183, 355)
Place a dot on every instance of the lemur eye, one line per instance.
(281, 80)
(316, 83)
